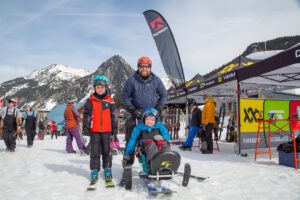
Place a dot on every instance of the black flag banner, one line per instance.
(166, 46)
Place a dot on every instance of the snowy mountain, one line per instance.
(115, 68)
(51, 85)
(56, 72)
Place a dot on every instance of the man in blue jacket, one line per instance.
(143, 90)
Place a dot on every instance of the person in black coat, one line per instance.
(194, 127)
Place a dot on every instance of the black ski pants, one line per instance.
(208, 136)
(100, 145)
(30, 136)
(54, 133)
(9, 137)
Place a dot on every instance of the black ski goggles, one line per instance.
(100, 82)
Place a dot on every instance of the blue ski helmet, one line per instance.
(100, 80)
(149, 112)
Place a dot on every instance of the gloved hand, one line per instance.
(125, 161)
(86, 133)
(138, 113)
(158, 138)
(159, 108)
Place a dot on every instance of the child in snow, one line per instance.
(151, 134)
(99, 123)
(54, 130)
(72, 122)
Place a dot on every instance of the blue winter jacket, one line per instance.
(142, 127)
(141, 94)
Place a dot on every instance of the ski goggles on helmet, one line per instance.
(101, 80)
(150, 112)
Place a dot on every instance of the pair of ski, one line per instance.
(93, 185)
(155, 188)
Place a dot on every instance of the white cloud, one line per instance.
(81, 35)
(212, 33)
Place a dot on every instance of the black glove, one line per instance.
(159, 108)
(125, 161)
(158, 138)
(138, 113)
(131, 109)
(86, 133)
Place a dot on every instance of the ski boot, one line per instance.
(94, 179)
(108, 178)
(185, 148)
(94, 176)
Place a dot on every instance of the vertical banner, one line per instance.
(250, 111)
(166, 46)
(294, 108)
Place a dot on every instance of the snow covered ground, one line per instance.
(47, 172)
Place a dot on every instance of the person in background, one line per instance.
(194, 126)
(11, 120)
(41, 132)
(72, 120)
(30, 121)
(208, 121)
(54, 130)
(1, 123)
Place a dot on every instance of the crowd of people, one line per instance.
(14, 124)
(144, 98)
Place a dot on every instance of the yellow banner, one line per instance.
(250, 111)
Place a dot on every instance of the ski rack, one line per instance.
(293, 123)
(174, 130)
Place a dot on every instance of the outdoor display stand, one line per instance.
(173, 130)
(172, 122)
(264, 125)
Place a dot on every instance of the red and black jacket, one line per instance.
(98, 115)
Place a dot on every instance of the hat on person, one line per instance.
(12, 100)
(144, 60)
(149, 112)
(71, 99)
(100, 80)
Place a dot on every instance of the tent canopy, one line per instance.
(276, 73)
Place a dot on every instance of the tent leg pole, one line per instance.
(238, 117)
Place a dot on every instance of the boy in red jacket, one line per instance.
(99, 122)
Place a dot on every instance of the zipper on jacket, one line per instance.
(101, 116)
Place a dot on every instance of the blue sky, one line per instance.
(84, 33)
